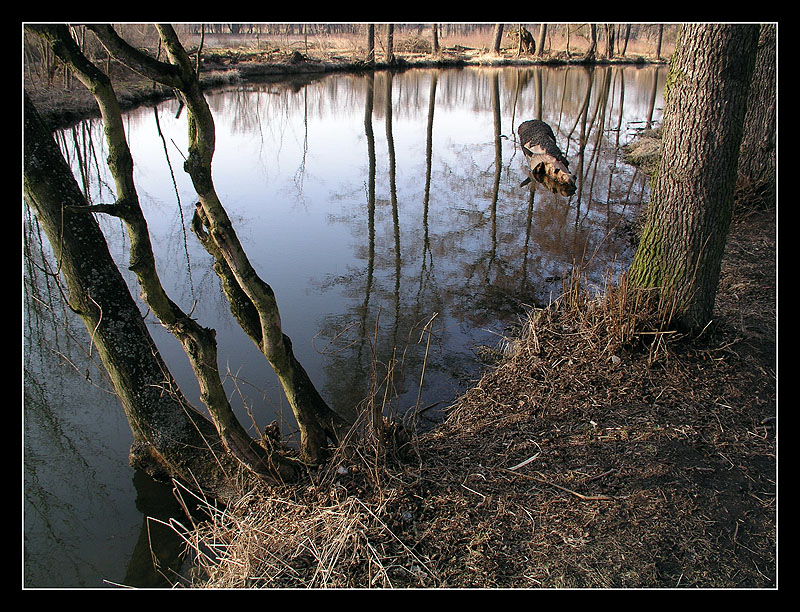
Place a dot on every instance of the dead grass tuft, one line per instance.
(601, 452)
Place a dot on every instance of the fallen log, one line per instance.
(548, 165)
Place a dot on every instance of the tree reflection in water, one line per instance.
(386, 212)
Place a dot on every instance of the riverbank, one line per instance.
(63, 105)
(584, 459)
(588, 458)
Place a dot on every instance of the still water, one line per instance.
(386, 213)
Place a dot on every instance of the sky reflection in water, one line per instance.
(355, 211)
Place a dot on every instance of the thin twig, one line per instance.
(552, 484)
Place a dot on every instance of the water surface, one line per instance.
(386, 213)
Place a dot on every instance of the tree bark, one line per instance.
(171, 439)
(682, 242)
(757, 159)
(316, 421)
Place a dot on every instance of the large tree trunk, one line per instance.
(682, 242)
(171, 439)
(757, 159)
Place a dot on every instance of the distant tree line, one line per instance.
(647, 31)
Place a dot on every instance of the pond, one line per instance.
(387, 213)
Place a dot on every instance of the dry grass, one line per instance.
(595, 455)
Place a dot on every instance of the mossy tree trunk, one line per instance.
(171, 439)
(199, 343)
(253, 301)
(688, 218)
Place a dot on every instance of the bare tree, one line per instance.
(497, 38)
(591, 52)
(660, 40)
(609, 40)
(390, 43)
(370, 43)
(627, 37)
(542, 36)
(252, 301)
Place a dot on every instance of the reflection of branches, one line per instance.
(178, 198)
(393, 196)
(299, 175)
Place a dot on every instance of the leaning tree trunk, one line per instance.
(170, 438)
(681, 246)
(199, 343)
(317, 422)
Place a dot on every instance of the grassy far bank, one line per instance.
(63, 101)
(596, 454)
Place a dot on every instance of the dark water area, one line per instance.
(386, 213)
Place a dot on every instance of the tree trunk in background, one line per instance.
(627, 37)
(757, 159)
(689, 214)
(435, 34)
(370, 43)
(609, 40)
(497, 38)
(542, 36)
(171, 439)
(592, 51)
(660, 40)
(390, 43)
